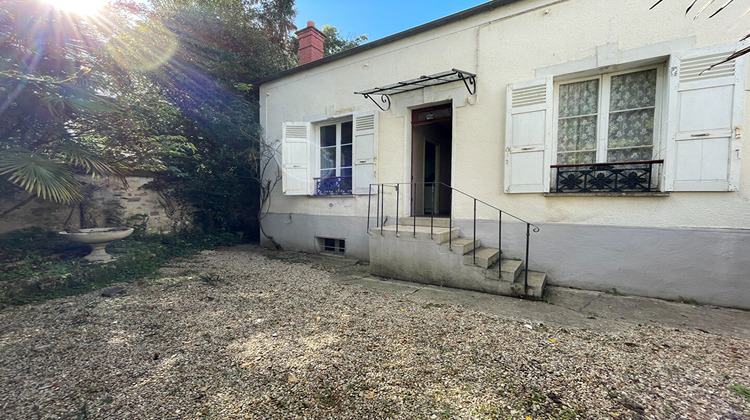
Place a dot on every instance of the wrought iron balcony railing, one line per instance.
(640, 176)
(333, 185)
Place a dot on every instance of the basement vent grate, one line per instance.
(332, 246)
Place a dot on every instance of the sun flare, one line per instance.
(79, 7)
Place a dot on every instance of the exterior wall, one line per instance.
(108, 198)
(522, 41)
(708, 265)
(300, 232)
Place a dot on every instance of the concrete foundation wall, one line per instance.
(711, 266)
(299, 232)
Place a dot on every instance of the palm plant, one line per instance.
(46, 84)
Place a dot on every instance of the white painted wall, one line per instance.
(514, 43)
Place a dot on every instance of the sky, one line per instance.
(376, 18)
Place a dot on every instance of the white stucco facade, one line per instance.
(634, 241)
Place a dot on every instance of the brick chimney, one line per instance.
(310, 43)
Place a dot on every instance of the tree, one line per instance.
(50, 77)
(336, 43)
(718, 10)
(220, 47)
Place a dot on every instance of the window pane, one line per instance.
(633, 90)
(630, 154)
(342, 246)
(346, 155)
(330, 244)
(347, 171)
(576, 134)
(327, 157)
(631, 118)
(573, 158)
(346, 132)
(328, 135)
(631, 128)
(326, 173)
(581, 98)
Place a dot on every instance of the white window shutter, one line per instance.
(295, 159)
(528, 136)
(365, 151)
(705, 110)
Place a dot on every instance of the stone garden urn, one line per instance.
(97, 239)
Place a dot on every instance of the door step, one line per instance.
(463, 245)
(483, 257)
(436, 234)
(425, 221)
(536, 283)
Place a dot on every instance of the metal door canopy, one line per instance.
(436, 79)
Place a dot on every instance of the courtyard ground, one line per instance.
(243, 332)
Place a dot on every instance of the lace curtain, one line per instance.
(632, 106)
(576, 130)
(629, 115)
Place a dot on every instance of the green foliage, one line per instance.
(163, 85)
(211, 279)
(741, 391)
(46, 83)
(49, 179)
(336, 43)
(39, 265)
(227, 44)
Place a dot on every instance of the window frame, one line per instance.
(338, 248)
(602, 131)
(317, 169)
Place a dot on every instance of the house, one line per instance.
(600, 127)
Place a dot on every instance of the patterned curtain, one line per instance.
(576, 130)
(631, 117)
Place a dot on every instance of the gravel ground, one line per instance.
(236, 334)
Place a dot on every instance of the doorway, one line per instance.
(431, 157)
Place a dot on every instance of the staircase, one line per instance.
(441, 256)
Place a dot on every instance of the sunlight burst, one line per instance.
(79, 7)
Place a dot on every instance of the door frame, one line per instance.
(443, 112)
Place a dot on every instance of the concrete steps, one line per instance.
(425, 221)
(483, 257)
(438, 235)
(462, 245)
(439, 255)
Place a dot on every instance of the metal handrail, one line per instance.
(381, 219)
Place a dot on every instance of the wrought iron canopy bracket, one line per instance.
(436, 79)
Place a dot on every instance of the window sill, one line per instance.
(611, 194)
(332, 196)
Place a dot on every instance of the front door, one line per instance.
(431, 160)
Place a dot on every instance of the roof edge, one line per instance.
(485, 7)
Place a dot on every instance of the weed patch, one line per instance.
(36, 266)
(741, 391)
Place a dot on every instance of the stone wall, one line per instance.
(110, 204)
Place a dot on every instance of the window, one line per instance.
(640, 130)
(609, 118)
(332, 246)
(330, 158)
(335, 159)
